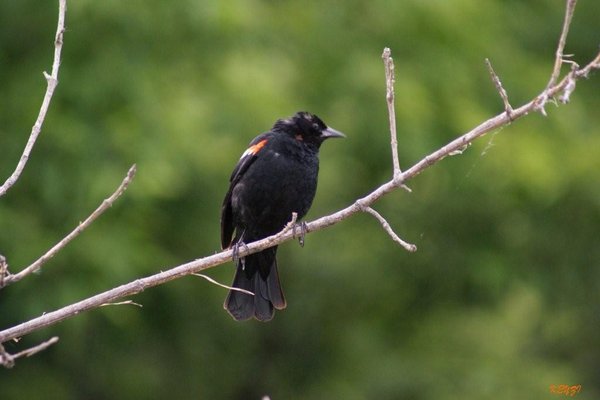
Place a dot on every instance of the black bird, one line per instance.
(275, 177)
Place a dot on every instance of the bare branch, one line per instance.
(8, 360)
(503, 95)
(60, 245)
(52, 82)
(288, 233)
(495, 123)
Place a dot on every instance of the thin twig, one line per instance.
(52, 82)
(36, 349)
(211, 280)
(60, 245)
(562, 41)
(8, 360)
(503, 95)
(388, 63)
(559, 56)
(291, 225)
(122, 303)
(386, 226)
(585, 71)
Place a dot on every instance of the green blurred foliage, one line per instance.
(500, 301)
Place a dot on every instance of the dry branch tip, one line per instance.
(211, 280)
(122, 303)
(501, 91)
(52, 82)
(388, 63)
(387, 227)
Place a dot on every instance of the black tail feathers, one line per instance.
(257, 274)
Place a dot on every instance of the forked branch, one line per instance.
(8, 360)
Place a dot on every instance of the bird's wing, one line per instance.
(247, 158)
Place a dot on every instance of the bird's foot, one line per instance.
(236, 253)
(303, 229)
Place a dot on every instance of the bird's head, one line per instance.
(307, 127)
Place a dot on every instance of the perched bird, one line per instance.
(275, 177)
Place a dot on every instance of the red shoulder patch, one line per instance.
(254, 149)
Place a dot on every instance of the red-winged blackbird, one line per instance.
(275, 177)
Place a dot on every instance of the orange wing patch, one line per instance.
(253, 150)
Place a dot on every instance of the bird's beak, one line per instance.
(332, 133)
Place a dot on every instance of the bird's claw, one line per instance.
(236, 253)
(303, 229)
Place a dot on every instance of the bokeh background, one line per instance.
(502, 299)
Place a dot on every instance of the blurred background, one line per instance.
(500, 301)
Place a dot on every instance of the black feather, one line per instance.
(275, 177)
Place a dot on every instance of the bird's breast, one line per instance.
(275, 186)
